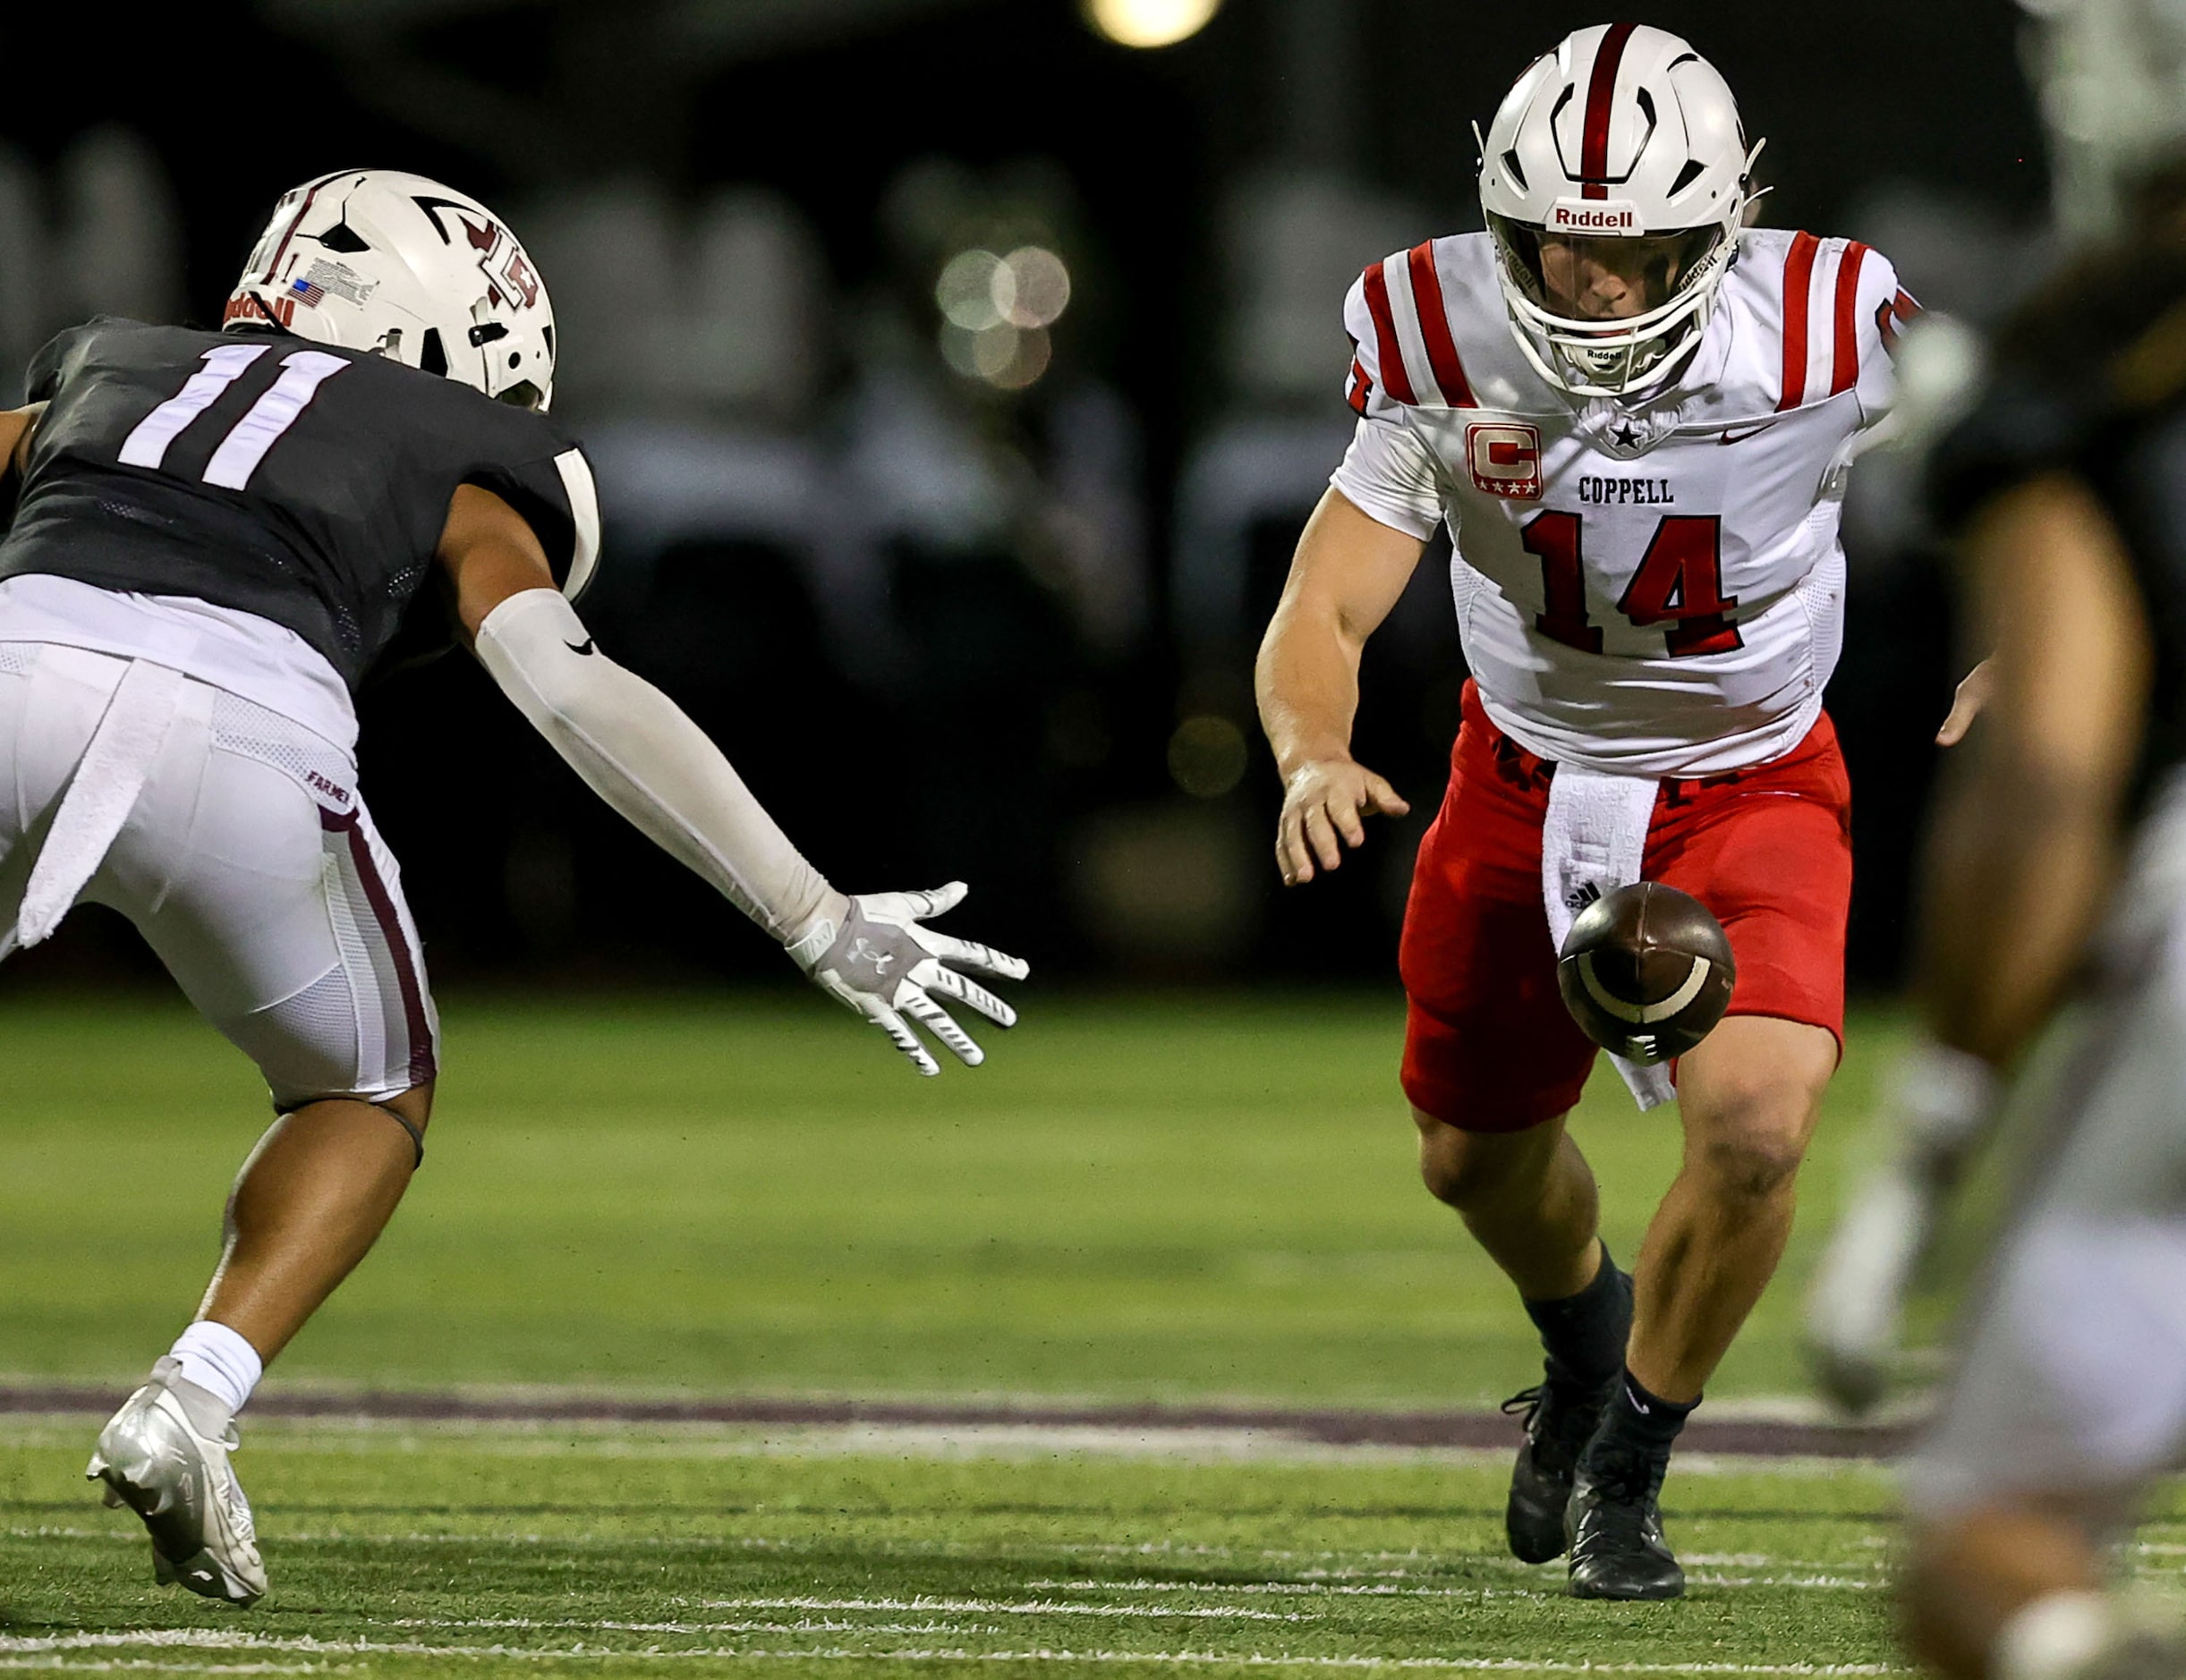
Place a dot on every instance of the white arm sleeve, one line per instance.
(637, 751)
(1389, 476)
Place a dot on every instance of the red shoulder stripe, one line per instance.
(1844, 365)
(1601, 97)
(1797, 281)
(1435, 327)
(1395, 380)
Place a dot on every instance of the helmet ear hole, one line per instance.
(433, 356)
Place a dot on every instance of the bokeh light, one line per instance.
(1038, 287)
(995, 312)
(1150, 22)
(976, 290)
(1207, 757)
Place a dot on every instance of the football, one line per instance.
(1646, 971)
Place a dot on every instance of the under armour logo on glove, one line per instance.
(865, 954)
(878, 960)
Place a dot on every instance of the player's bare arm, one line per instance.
(16, 425)
(1347, 572)
(2024, 846)
(635, 748)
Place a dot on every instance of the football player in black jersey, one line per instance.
(2055, 910)
(217, 536)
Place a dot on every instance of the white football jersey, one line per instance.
(1652, 585)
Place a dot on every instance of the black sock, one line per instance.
(1637, 1429)
(1584, 1334)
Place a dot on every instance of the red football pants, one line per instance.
(1488, 1045)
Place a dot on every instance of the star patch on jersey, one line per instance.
(1505, 457)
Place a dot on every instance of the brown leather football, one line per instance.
(1646, 971)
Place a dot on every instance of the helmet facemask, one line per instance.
(1608, 314)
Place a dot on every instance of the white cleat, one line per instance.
(153, 1460)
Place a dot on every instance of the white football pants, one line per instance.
(249, 864)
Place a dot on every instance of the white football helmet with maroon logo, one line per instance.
(1615, 178)
(380, 260)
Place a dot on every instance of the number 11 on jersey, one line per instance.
(1680, 582)
(261, 428)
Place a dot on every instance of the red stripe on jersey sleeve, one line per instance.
(1893, 313)
(1395, 380)
(1601, 95)
(1797, 281)
(1844, 364)
(1435, 327)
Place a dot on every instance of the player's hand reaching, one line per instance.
(1325, 801)
(883, 965)
(1966, 705)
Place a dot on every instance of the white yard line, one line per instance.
(1004, 1607)
(208, 1639)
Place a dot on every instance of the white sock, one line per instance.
(219, 1361)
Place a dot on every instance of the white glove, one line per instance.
(871, 955)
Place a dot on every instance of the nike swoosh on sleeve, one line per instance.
(1751, 432)
(587, 646)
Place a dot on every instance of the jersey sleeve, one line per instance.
(2023, 425)
(1363, 387)
(2049, 401)
(1881, 308)
(1387, 473)
(548, 480)
(43, 377)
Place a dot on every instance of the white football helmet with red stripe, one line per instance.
(380, 260)
(1615, 178)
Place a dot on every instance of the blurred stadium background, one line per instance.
(957, 376)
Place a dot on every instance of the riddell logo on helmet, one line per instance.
(1602, 216)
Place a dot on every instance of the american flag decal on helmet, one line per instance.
(307, 294)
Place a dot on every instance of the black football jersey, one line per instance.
(2090, 378)
(260, 470)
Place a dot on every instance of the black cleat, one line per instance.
(1615, 1530)
(1561, 1418)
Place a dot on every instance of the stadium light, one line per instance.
(1150, 22)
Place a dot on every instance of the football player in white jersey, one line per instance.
(217, 536)
(1635, 413)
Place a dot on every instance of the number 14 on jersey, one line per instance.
(1680, 582)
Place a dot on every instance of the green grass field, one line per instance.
(1181, 1199)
